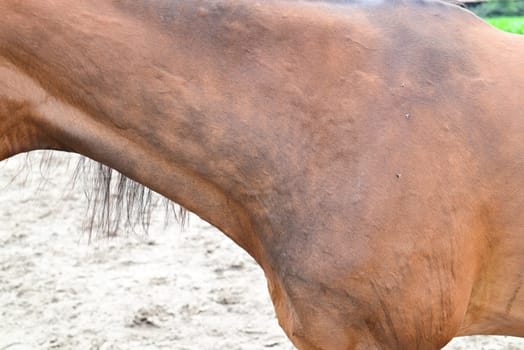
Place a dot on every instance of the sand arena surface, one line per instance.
(188, 290)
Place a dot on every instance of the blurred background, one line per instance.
(507, 15)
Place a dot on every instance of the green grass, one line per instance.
(509, 24)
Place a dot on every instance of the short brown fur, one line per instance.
(369, 156)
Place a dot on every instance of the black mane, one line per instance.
(117, 203)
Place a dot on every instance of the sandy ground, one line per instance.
(191, 289)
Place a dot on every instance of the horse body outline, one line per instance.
(368, 156)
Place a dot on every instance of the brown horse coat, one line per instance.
(369, 156)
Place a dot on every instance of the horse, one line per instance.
(369, 155)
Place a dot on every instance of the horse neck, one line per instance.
(171, 99)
